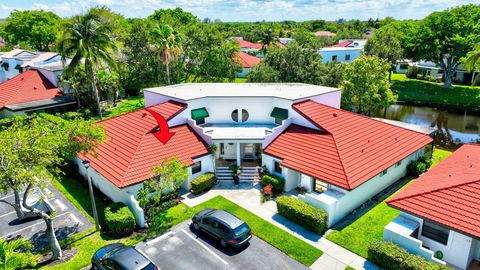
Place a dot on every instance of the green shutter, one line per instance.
(199, 113)
(279, 113)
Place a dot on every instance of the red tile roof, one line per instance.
(248, 60)
(448, 194)
(350, 149)
(342, 44)
(248, 45)
(28, 86)
(131, 150)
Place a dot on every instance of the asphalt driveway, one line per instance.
(68, 220)
(185, 248)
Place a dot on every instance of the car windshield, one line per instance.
(241, 229)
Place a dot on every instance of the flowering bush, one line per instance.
(267, 190)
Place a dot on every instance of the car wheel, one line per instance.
(223, 243)
(196, 226)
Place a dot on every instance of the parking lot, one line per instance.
(185, 248)
(68, 220)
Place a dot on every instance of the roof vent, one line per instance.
(450, 175)
(22, 78)
(362, 150)
(335, 114)
(144, 114)
(35, 87)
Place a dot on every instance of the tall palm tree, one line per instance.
(267, 37)
(87, 39)
(167, 42)
(473, 59)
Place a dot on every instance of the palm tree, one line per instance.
(267, 38)
(473, 59)
(87, 39)
(167, 42)
(16, 254)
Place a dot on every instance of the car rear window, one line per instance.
(150, 266)
(241, 229)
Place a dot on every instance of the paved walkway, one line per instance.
(335, 257)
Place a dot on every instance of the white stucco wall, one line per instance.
(338, 202)
(341, 53)
(207, 166)
(459, 250)
(126, 195)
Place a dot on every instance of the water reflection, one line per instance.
(455, 127)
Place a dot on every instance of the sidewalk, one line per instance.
(248, 196)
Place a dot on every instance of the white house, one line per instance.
(295, 130)
(440, 218)
(16, 61)
(345, 51)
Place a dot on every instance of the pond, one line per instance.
(455, 127)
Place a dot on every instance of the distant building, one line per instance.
(248, 62)
(33, 91)
(246, 46)
(16, 61)
(345, 51)
(324, 34)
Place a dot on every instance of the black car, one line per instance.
(120, 257)
(229, 229)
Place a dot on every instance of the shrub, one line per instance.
(392, 257)
(278, 183)
(431, 78)
(416, 168)
(420, 76)
(412, 72)
(303, 214)
(202, 183)
(119, 220)
(426, 160)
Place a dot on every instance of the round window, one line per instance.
(244, 115)
(235, 115)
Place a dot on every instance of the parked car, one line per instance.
(229, 229)
(118, 256)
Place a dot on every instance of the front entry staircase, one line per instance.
(248, 175)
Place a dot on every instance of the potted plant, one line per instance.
(236, 171)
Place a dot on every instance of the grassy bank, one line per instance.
(431, 93)
(357, 236)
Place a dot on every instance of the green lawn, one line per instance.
(128, 105)
(357, 236)
(431, 93)
(86, 243)
(282, 240)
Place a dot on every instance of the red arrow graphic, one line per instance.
(164, 135)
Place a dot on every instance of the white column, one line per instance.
(239, 160)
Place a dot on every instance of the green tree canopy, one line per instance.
(35, 28)
(174, 17)
(447, 36)
(31, 149)
(385, 44)
(365, 88)
(290, 64)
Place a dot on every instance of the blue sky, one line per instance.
(249, 10)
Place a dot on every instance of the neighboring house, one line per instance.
(32, 92)
(295, 130)
(345, 51)
(16, 61)
(401, 66)
(428, 68)
(248, 47)
(248, 62)
(324, 34)
(440, 212)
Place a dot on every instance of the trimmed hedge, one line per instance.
(119, 220)
(278, 183)
(392, 257)
(202, 183)
(303, 214)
